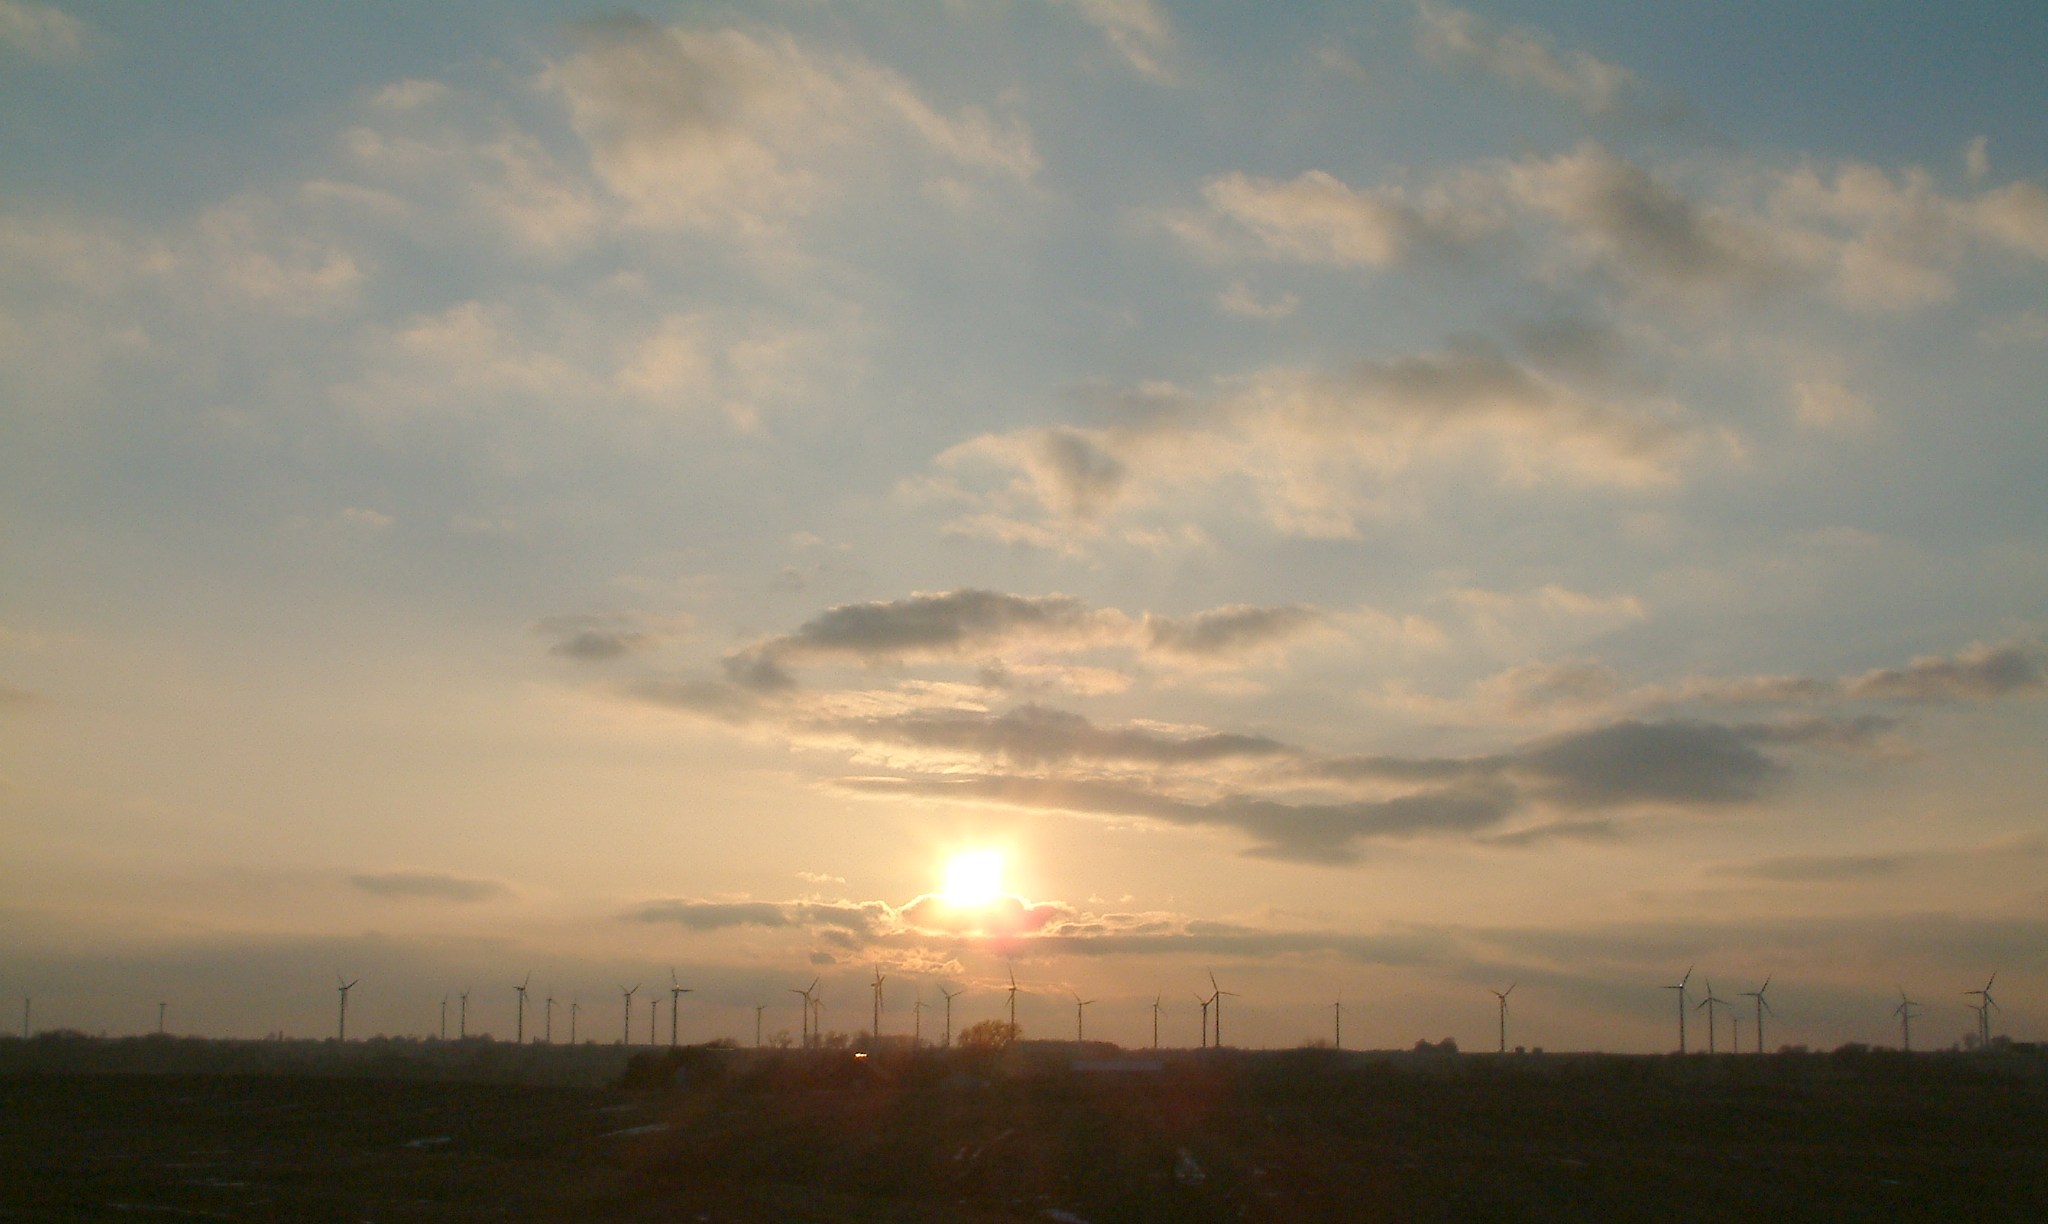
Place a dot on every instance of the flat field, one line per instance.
(1296, 1135)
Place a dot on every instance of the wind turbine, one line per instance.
(950, 996)
(1338, 1008)
(1502, 995)
(574, 1007)
(676, 991)
(1218, 997)
(917, 1023)
(876, 986)
(653, 1014)
(1984, 1013)
(758, 1009)
(627, 1038)
(547, 1035)
(1680, 988)
(519, 1034)
(1710, 1002)
(1205, 1016)
(806, 1019)
(1079, 1004)
(444, 1017)
(462, 1016)
(341, 1028)
(1762, 1005)
(1157, 1007)
(1013, 1002)
(1904, 1011)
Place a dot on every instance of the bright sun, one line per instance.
(974, 878)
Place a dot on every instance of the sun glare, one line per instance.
(974, 878)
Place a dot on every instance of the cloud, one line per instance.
(1317, 452)
(949, 624)
(712, 915)
(1979, 673)
(1636, 762)
(1239, 300)
(1317, 219)
(1522, 57)
(1977, 158)
(1034, 735)
(604, 637)
(1827, 405)
(430, 886)
(1231, 631)
(1851, 868)
(40, 32)
(742, 133)
(1138, 29)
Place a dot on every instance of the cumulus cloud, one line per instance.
(949, 624)
(1979, 673)
(741, 133)
(1522, 57)
(1138, 29)
(1229, 632)
(430, 886)
(1315, 218)
(1320, 452)
(41, 32)
(603, 637)
(1634, 762)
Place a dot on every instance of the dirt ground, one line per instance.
(1284, 1136)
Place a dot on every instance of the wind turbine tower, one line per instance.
(1762, 1005)
(547, 1032)
(1079, 1004)
(1218, 997)
(1680, 988)
(1984, 1006)
(574, 1007)
(1502, 995)
(876, 1029)
(1013, 1003)
(626, 1035)
(1711, 1002)
(917, 1023)
(1157, 1007)
(676, 991)
(1338, 1036)
(950, 995)
(444, 1017)
(1904, 1011)
(1205, 1017)
(758, 1009)
(341, 1027)
(653, 1015)
(519, 1033)
(462, 1015)
(806, 1018)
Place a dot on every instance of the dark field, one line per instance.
(1300, 1135)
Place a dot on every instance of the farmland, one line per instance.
(143, 1129)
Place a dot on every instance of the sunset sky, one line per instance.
(1378, 501)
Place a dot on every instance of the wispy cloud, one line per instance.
(1522, 57)
(412, 884)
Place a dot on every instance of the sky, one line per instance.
(1377, 502)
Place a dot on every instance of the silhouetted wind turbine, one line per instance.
(1904, 1011)
(1680, 988)
(676, 991)
(547, 1034)
(626, 1037)
(1219, 996)
(653, 1017)
(574, 1007)
(806, 1019)
(462, 1015)
(1762, 1005)
(1502, 995)
(444, 1017)
(1984, 1013)
(876, 986)
(1079, 1004)
(758, 1009)
(341, 1027)
(1205, 1016)
(950, 996)
(1338, 1009)
(519, 1033)
(1711, 1002)
(1013, 1002)
(1157, 1007)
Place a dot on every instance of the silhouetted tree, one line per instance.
(990, 1035)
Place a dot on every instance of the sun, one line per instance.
(974, 878)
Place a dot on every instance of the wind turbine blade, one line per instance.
(1212, 980)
